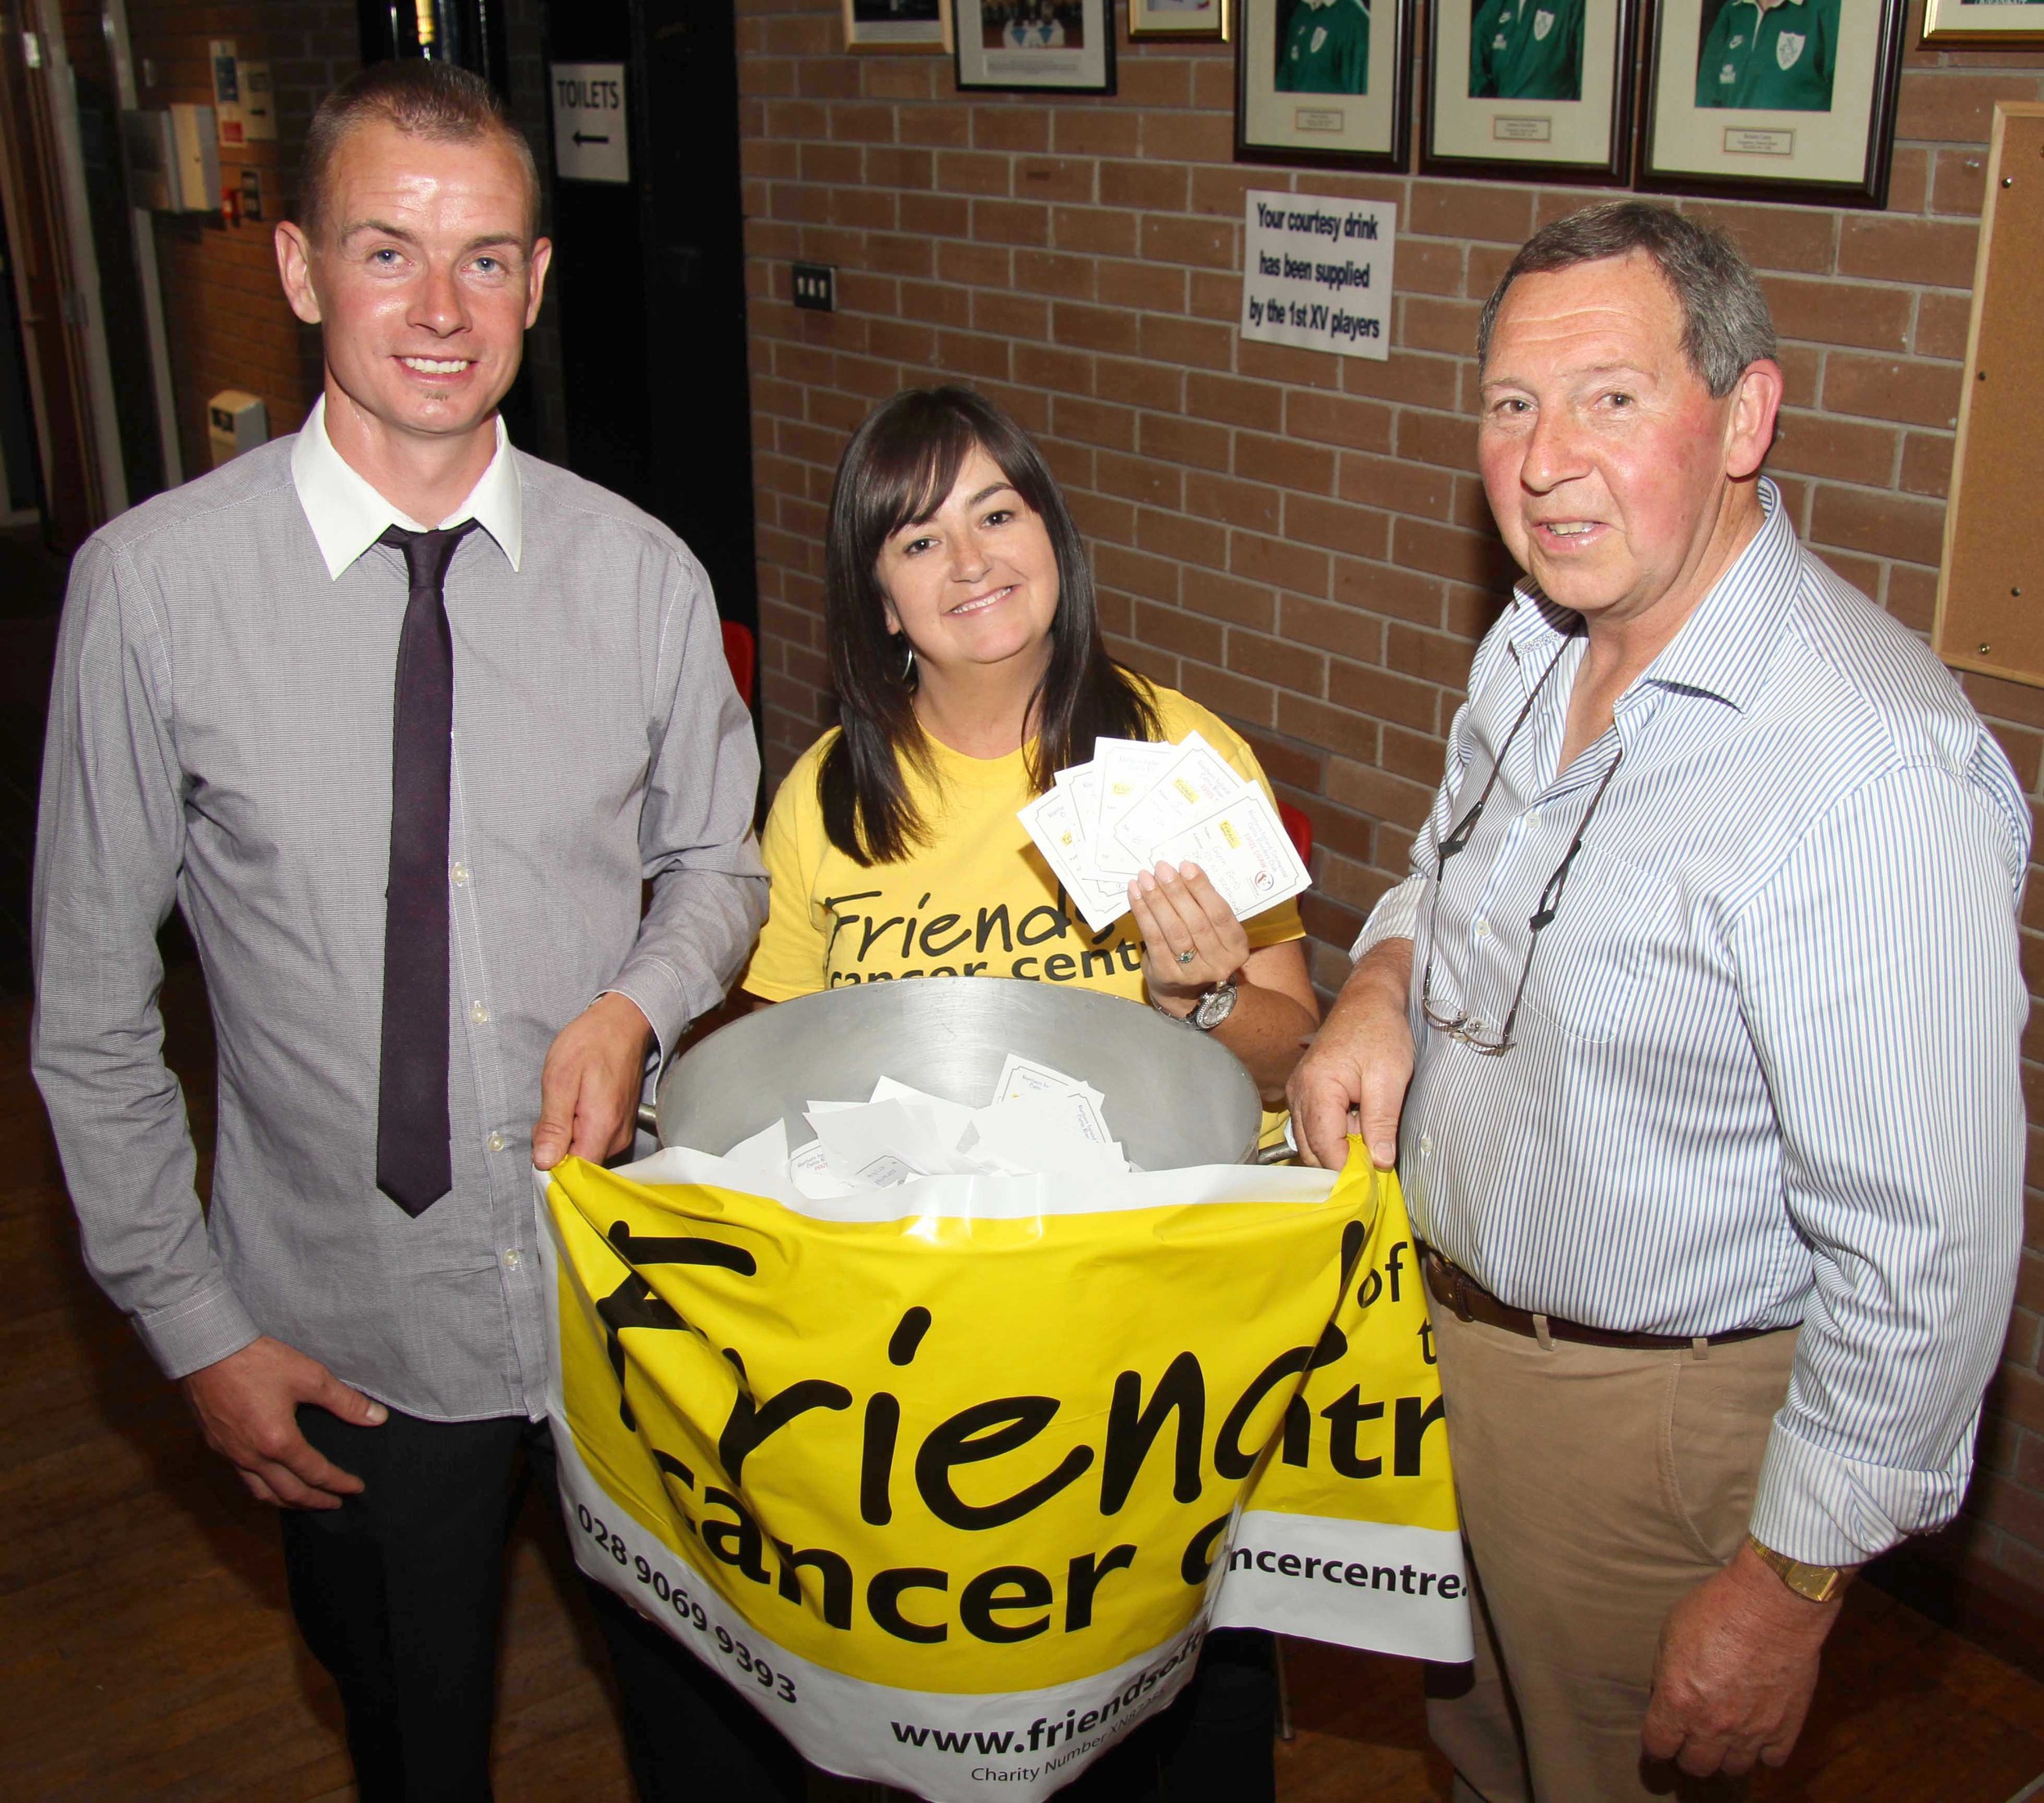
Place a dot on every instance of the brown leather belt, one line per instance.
(1453, 1288)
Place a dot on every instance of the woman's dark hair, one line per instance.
(898, 469)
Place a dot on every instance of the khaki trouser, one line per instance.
(1596, 1487)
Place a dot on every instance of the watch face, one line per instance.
(1213, 1007)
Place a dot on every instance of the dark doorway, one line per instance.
(649, 276)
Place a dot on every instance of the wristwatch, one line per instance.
(1815, 1583)
(1214, 1006)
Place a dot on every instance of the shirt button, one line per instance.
(479, 1014)
(1426, 1145)
(511, 1259)
(1479, 927)
(496, 1142)
(459, 873)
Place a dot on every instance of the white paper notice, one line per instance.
(1317, 273)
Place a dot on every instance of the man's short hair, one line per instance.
(422, 99)
(1726, 327)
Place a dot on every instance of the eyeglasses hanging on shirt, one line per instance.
(1463, 1026)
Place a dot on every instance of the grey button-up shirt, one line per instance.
(220, 738)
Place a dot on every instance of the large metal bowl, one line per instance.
(1172, 1096)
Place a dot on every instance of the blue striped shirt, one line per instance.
(1766, 1067)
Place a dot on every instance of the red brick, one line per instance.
(1501, 212)
(1336, 419)
(1195, 342)
(1926, 464)
(973, 171)
(1278, 563)
(1306, 469)
(1014, 124)
(1473, 558)
(1195, 541)
(1143, 187)
(1009, 221)
(1095, 232)
(1288, 364)
(1924, 394)
(1185, 634)
(1883, 525)
(1333, 627)
(1208, 244)
(1224, 598)
(1095, 422)
(1392, 483)
(1051, 272)
(1847, 451)
(1801, 239)
(1956, 109)
(1095, 131)
(1140, 479)
(1255, 505)
(1386, 695)
(1273, 661)
(1959, 181)
(1429, 323)
(1360, 531)
(1378, 793)
(1942, 321)
(1937, 253)
(1390, 589)
(1258, 404)
(1066, 179)
(1871, 315)
(1232, 697)
(1156, 386)
(1185, 441)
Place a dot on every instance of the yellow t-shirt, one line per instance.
(978, 900)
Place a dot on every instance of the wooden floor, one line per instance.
(145, 1651)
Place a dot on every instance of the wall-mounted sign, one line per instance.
(227, 91)
(589, 123)
(1316, 272)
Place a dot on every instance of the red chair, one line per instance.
(1298, 829)
(741, 651)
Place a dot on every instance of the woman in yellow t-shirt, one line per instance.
(966, 649)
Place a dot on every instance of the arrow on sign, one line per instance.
(590, 138)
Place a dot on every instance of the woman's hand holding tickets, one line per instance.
(1180, 911)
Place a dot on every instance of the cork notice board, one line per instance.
(1991, 586)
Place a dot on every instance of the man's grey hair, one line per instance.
(1726, 327)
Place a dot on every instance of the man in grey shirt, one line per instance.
(230, 714)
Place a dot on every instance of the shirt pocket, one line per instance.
(1615, 922)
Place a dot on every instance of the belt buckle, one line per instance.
(1460, 1282)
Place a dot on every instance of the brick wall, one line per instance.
(1298, 540)
(225, 317)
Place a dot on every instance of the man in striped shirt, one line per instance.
(1694, 1033)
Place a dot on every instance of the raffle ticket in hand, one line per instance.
(1140, 803)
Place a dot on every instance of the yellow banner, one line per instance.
(1008, 1443)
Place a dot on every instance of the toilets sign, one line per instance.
(1317, 273)
(589, 123)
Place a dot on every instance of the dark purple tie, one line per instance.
(414, 1158)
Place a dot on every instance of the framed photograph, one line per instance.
(1323, 82)
(1537, 89)
(1024, 45)
(2017, 24)
(1788, 102)
(1203, 20)
(898, 24)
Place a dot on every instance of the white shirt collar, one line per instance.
(347, 515)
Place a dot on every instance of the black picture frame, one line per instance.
(1329, 133)
(1838, 155)
(1061, 68)
(1597, 122)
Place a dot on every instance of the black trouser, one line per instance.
(399, 1593)
(1212, 1745)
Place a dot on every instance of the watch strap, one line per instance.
(1814, 1583)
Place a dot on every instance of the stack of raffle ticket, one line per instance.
(1143, 802)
